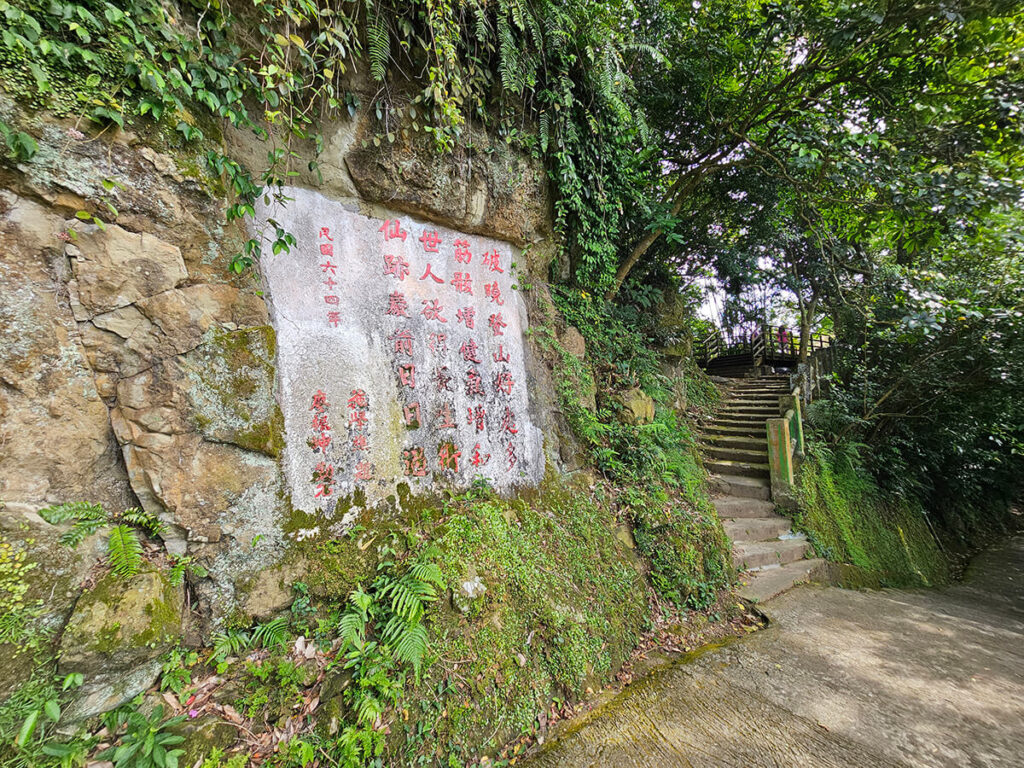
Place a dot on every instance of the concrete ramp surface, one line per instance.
(841, 678)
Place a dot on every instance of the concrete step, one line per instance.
(756, 528)
(757, 554)
(766, 583)
(737, 441)
(749, 402)
(735, 430)
(746, 487)
(735, 507)
(741, 468)
(742, 420)
(729, 412)
(729, 453)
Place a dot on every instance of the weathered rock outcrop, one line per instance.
(138, 371)
(113, 638)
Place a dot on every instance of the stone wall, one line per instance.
(137, 370)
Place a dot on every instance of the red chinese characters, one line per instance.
(508, 422)
(438, 343)
(414, 462)
(397, 305)
(462, 282)
(403, 342)
(492, 260)
(510, 456)
(395, 266)
(469, 352)
(325, 234)
(432, 310)
(358, 418)
(477, 459)
(462, 254)
(466, 316)
(334, 318)
(445, 419)
(411, 413)
(326, 249)
(503, 382)
(429, 272)
(474, 384)
(335, 300)
(443, 379)
(448, 456)
(501, 356)
(323, 480)
(364, 471)
(392, 229)
(497, 324)
(321, 425)
(407, 375)
(493, 292)
(477, 416)
(430, 241)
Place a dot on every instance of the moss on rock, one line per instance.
(234, 402)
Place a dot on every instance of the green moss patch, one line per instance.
(849, 521)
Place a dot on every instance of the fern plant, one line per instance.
(124, 549)
(383, 633)
(86, 519)
(272, 633)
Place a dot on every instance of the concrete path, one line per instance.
(841, 678)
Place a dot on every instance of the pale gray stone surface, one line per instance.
(929, 678)
(361, 348)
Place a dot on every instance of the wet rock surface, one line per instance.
(841, 678)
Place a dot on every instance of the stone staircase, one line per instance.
(771, 556)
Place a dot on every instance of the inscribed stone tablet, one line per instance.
(400, 356)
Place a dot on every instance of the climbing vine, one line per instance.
(549, 77)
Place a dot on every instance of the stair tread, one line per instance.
(757, 554)
(766, 583)
(741, 464)
(740, 507)
(751, 529)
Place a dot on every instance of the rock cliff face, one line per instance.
(137, 371)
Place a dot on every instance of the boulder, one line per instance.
(115, 637)
(636, 406)
(54, 425)
(114, 268)
(203, 735)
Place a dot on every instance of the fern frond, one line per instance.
(273, 632)
(407, 641)
(378, 48)
(352, 627)
(125, 551)
(87, 518)
(140, 518)
(73, 510)
(230, 643)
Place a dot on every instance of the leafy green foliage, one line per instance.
(271, 634)
(182, 564)
(139, 518)
(87, 519)
(20, 146)
(177, 670)
(849, 520)
(124, 551)
(145, 741)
